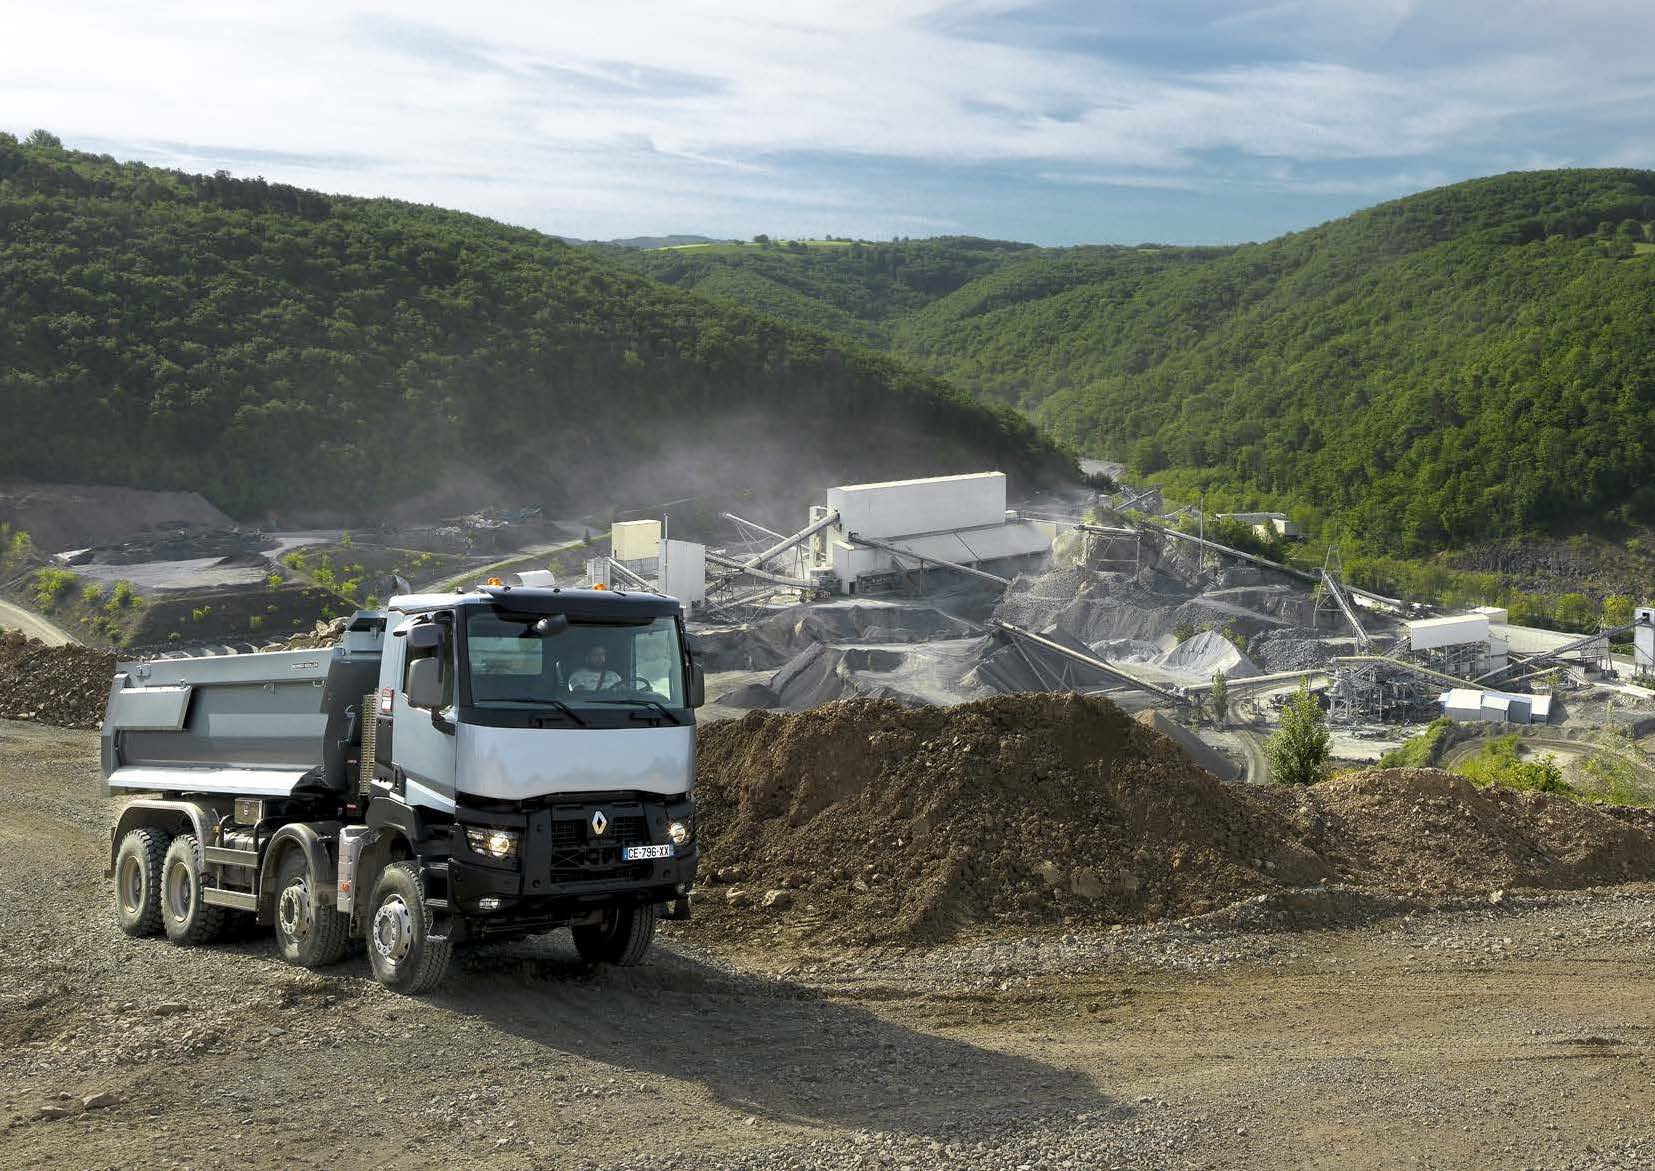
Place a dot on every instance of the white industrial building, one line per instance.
(879, 530)
(1469, 705)
(1643, 640)
(1264, 524)
(1460, 644)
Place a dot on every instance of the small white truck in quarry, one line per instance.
(482, 765)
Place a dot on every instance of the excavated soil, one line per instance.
(63, 685)
(866, 822)
(907, 824)
(1432, 831)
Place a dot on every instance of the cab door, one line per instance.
(424, 741)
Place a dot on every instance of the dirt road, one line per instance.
(1489, 1036)
(14, 617)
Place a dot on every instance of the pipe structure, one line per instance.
(1363, 643)
(1091, 661)
(636, 579)
(1580, 643)
(742, 569)
(757, 528)
(786, 543)
(1394, 603)
(1404, 665)
(926, 558)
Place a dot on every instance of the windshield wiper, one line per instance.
(539, 701)
(656, 704)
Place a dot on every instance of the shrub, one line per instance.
(255, 622)
(49, 585)
(91, 594)
(174, 636)
(1499, 764)
(1298, 750)
(1419, 751)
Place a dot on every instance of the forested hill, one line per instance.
(856, 288)
(1471, 362)
(276, 348)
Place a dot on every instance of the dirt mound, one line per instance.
(904, 824)
(1428, 830)
(64, 685)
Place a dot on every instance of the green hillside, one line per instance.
(1472, 362)
(278, 348)
(854, 288)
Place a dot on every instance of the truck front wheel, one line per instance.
(621, 938)
(404, 955)
(138, 881)
(308, 932)
(188, 921)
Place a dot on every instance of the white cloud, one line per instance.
(637, 114)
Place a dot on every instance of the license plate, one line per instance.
(641, 853)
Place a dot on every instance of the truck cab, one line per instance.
(487, 764)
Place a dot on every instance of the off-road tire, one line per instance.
(325, 938)
(139, 858)
(424, 961)
(622, 939)
(187, 920)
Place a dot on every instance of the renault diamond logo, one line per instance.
(599, 823)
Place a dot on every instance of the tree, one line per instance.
(1299, 748)
(1617, 610)
(43, 138)
(1220, 698)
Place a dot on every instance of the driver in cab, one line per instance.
(594, 676)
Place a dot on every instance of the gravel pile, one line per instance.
(869, 822)
(907, 824)
(63, 685)
(1429, 830)
(1288, 651)
(324, 634)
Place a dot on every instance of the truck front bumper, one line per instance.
(565, 867)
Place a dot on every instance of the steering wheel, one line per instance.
(639, 683)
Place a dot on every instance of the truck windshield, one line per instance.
(588, 664)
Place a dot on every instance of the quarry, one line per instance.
(970, 816)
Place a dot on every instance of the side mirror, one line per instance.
(551, 625)
(425, 684)
(698, 685)
(424, 636)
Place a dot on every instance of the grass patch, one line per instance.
(1419, 751)
(1497, 763)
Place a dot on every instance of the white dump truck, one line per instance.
(478, 765)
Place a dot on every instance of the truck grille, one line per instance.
(577, 856)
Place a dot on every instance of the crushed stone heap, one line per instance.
(63, 685)
(906, 824)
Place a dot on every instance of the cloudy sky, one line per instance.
(1060, 121)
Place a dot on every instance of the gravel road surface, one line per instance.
(1514, 1034)
(15, 617)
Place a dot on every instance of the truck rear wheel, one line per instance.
(188, 921)
(308, 932)
(404, 955)
(622, 938)
(138, 881)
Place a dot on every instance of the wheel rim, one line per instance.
(293, 914)
(129, 885)
(179, 894)
(393, 933)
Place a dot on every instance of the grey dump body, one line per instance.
(243, 725)
(477, 748)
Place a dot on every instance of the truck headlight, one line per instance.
(496, 843)
(678, 832)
